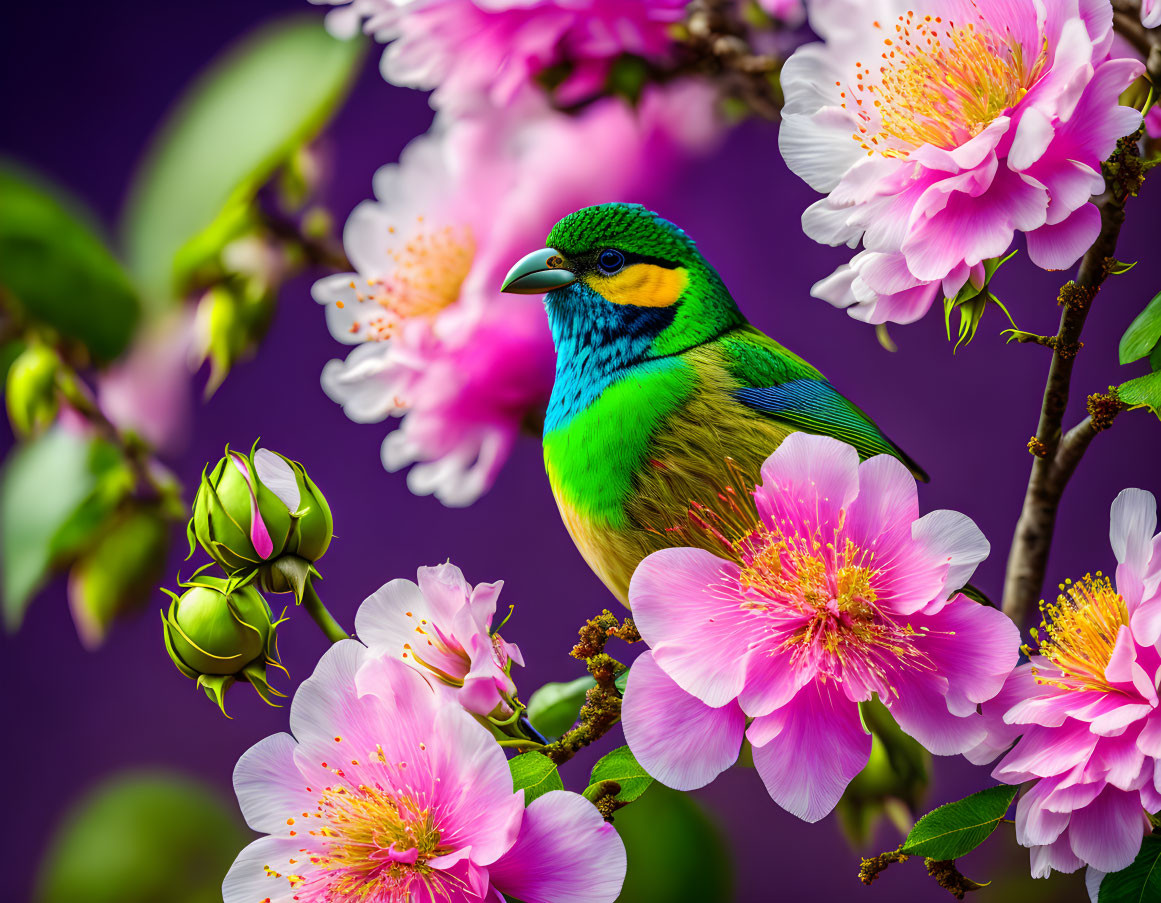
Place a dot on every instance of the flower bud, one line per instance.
(262, 513)
(118, 574)
(218, 632)
(31, 389)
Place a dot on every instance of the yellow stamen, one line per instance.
(1079, 632)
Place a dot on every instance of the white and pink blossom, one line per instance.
(938, 131)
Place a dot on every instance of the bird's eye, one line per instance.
(610, 261)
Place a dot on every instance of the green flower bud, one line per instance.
(31, 389)
(262, 513)
(220, 631)
(119, 573)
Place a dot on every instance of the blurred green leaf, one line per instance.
(553, 709)
(142, 838)
(535, 774)
(621, 767)
(1143, 333)
(58, 270)
(118, 573)
(1140, 882)
(1142, 392)
(959, 827)
(242, 119)
(55, 492)
(676, 853)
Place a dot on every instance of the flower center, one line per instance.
(821, 602)
(1079, 632)
(425, 276)
(938, 83)
(439, 653)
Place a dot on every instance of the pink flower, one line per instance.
(1151, 13)
(437, 343)
(938, 134)
(1087, 707)
(384, 793)
(148, 390)
(443, 626)
(840, 591)
(790, 12)
(493, 50)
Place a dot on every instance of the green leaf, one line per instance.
(553, 709)
(142, 837)
(622, 767)
(1140, 882)
(55, 493)
(1155, 359)
(622, 681)
(57, 268)
(677, 851)
(958, 828)
(535, 774)
(1142, 392)
(1143, 333)
(243, 118)
(1118, 267)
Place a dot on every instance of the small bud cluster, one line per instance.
(264, 523)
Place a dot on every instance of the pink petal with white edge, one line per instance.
(810, 750)
(1107, 833)
(677, 738)
(247, 882)
(1033, 136)
(383, 620)
(1132, 524)
(807, 482)
(269, 786)
(688, 614)
(473, 786)
(1036, 824)
(565, 853)
(1059, 246)
(954, 538)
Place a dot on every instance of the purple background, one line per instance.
(83, 92)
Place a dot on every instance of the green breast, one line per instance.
(592, 459)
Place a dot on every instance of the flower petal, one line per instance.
(813, 747)
(565, 853)
(269, 786)
(678, 739)
(1107, 833)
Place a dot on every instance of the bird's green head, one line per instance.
(619, 275)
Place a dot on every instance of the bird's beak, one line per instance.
(537, 273)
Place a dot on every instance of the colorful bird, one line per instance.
(665, 398)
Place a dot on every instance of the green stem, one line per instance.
(331, 628)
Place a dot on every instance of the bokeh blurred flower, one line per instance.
(790, 12)
(1087, 706)
(443, 625)
(260, 512)
(386, 792)
(495, 50)
(1151, 13)
(465, 366)
(838, 592)
(148, 390)
(218, 632)
(937, 132)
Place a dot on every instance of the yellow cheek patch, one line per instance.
(641, 284)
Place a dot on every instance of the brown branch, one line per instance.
(602, 707)
(1057, 456)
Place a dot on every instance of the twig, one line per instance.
(1056, 457)
(602, 707)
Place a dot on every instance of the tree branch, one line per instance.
(1057, 456)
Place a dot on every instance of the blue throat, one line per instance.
(596, 341)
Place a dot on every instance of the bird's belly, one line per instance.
(704, 458)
